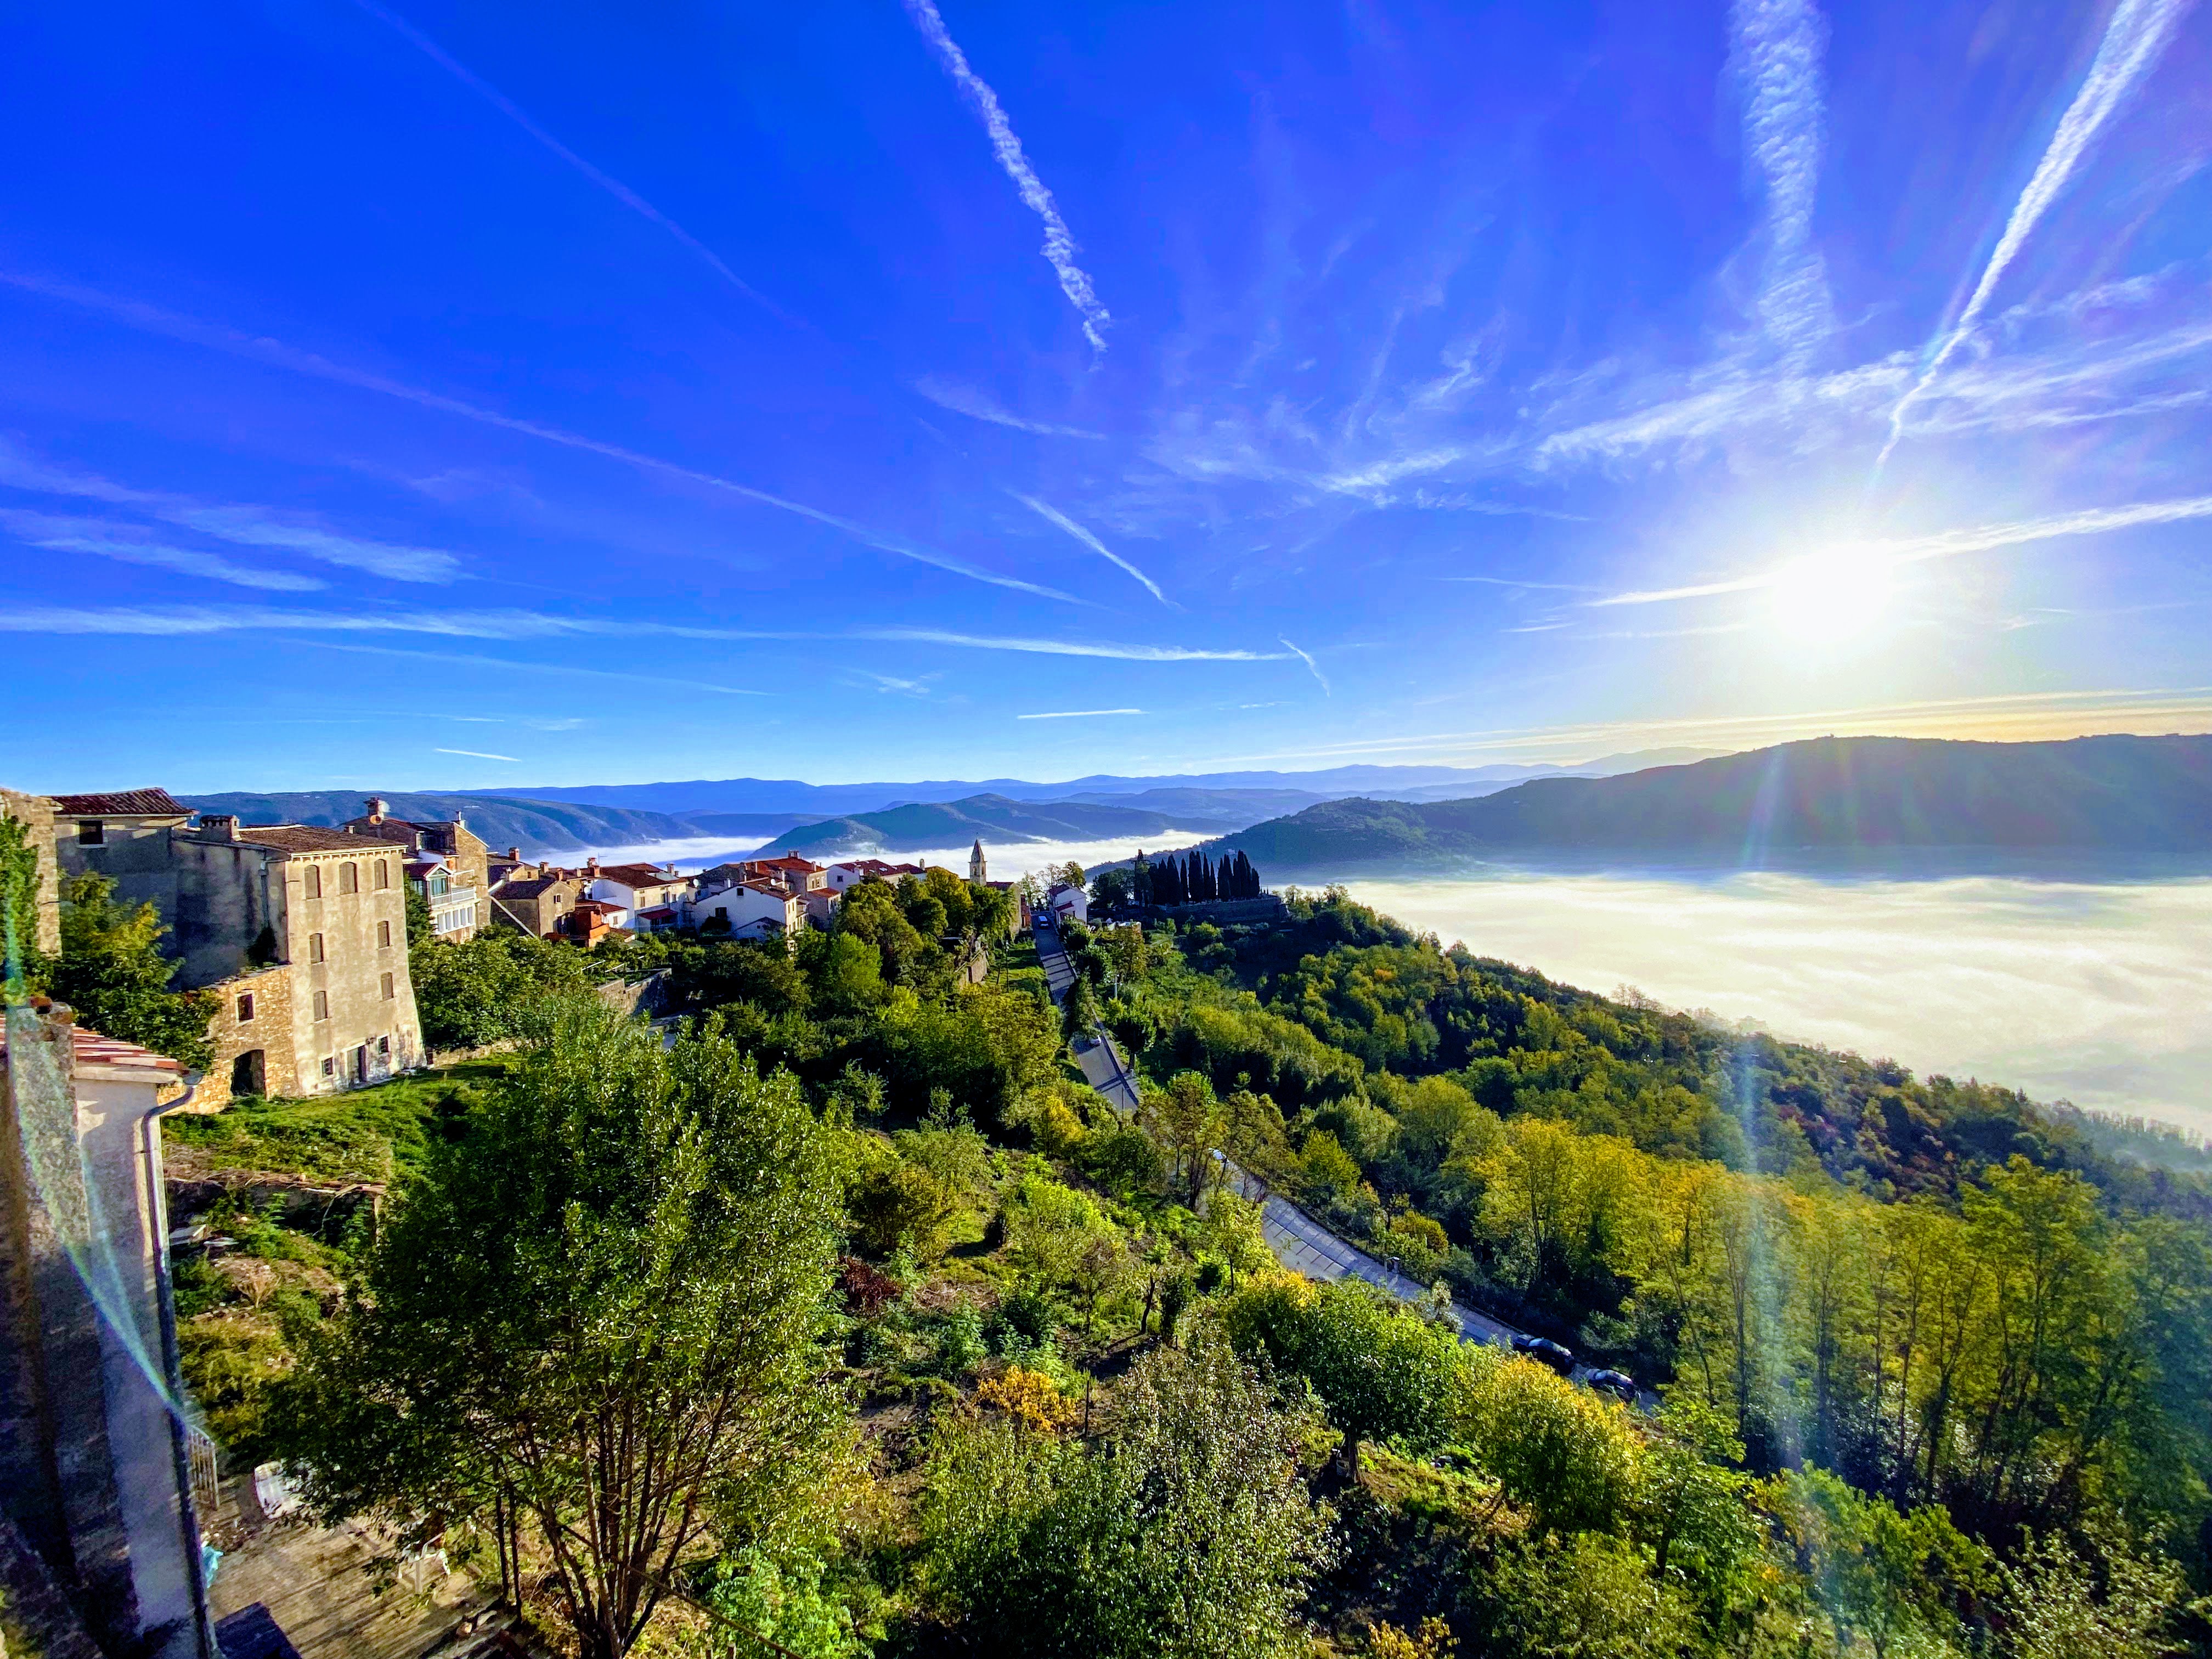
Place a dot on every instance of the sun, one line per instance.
(1838, 593)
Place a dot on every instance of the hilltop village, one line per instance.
(415, 1251)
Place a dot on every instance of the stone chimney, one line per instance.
(377, 807)
(514, 855)
(591, 868)
(220, 826)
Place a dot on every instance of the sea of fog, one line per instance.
(2096, 988)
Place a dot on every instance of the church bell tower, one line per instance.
(977, 871)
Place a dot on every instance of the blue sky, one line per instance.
(480, 396)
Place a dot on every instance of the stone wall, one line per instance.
(36, 814)
(228, 893)
(270, 1031)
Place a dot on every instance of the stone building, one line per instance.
(327, 906)
(99, 1548)
(447, 864)
(36, 814)
(123, 835)
(539, 904)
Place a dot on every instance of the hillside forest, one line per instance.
(835, 1315)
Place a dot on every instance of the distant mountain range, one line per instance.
(2130, 794)
(808, 802)
(829, 819)
(536, 826)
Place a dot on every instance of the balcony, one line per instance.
(454, 898)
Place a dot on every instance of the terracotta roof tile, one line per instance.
(304, 838)
(94, 1049)
(123, 803)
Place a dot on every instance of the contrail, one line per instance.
(613, 186)
(1053, 515)
(1058, 242)
(2133, 40)
(262, 349)
(1312, 667)
(1776, 57)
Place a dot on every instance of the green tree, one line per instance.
(21, 964)
(111, 971)
(604, 1306)
(1382, 1371)
(419, 932)
(486, 989)
(2054, 1609)
(1186, 1120)
(1885, 1577)
(1189, 1534)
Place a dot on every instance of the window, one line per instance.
(384, 936)
(348, 878)
(91, 832)
(314, 881)
(315, 947)
(329, 1067)
(388, 988)
(322, 1005)
(438, 883)
(245, 1007)
(383, 874)
(384, 1048)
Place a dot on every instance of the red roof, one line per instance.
(94, 1049)
(638, 875)
(658, 913)
(123, 803)
(306, 838)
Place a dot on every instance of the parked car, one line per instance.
(1617, 1383)
(1544, 1351)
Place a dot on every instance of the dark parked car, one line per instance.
(1544, 1351)
(1617, 1384)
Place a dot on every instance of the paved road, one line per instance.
(1298, 1242)
(1103, 1066)
(1304, 1245)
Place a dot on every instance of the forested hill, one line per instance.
(2133, 794)
(995, 818)
(535, 825)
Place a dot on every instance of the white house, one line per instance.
(853, 872)
(1066, 902)
(636, 890)
(754, 909)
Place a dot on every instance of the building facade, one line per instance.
(99, 1548)
(447, 864)
(330, 908)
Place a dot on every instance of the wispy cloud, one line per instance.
(479, 754)
(1059, 243)
(1775, 53)
(258, 349)
(523, 625)
(1072, 647)
(245, 526)
(1312, 667)
(613, 186)
(1076, 713)
(130, 544)
(1510, 581)
(1945, 543)
(1051, 514)
(569, 670)
(977, 406)
(2134, 38)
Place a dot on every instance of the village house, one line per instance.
(123, 835)
(756, 910)
(102, 1483)
(1065, 902)
(449, 864)
(637, 890)
(853, 872)
(301, 932)
(540, 903)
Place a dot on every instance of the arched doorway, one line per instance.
(249, 1075)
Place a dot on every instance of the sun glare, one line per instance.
(1838, 593)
